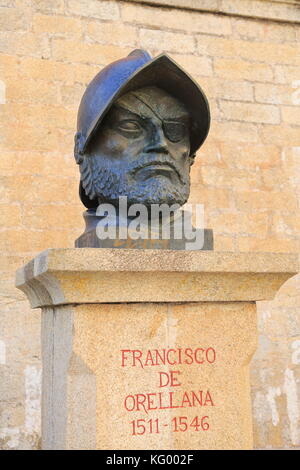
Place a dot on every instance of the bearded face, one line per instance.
(141, 151)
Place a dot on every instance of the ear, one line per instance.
(78, 147)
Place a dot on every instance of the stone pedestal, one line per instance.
(149, 349)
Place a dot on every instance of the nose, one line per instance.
(158, 142)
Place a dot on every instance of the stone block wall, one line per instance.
(246, 56)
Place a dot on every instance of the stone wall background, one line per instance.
(247, 174)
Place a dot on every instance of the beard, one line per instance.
(108, 183)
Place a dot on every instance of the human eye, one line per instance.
(130, 126)
(174, 130)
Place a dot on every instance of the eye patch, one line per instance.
(174, 130)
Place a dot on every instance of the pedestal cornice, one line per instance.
(91, 275)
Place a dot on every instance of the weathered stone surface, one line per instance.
(286, 10)
(39, 178)
(93, 398)
(104, 310)
(90, 275)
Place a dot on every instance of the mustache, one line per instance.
(107, 180)
(155, 159)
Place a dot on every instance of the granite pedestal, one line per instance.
(149, 349)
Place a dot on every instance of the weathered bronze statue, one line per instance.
(140, 122)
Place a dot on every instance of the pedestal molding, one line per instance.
(91, 275)
(286, 11)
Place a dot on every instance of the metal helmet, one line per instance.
(135, 71)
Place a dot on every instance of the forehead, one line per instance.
(152, 101)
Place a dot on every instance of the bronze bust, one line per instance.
(140, 122)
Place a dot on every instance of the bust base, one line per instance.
(89, 238)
